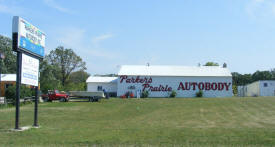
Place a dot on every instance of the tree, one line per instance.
(273, 73)
(211, 64)
(77, 81)
(106, 75)
(48, 80)
(262, 75)
(65, 61)
(8, 65)
(239, 79)
(78, 76)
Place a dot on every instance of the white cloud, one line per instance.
(98, 39)
(261, 8)
(53, 4)
(76, 38)
(10, 9)
(72, 37)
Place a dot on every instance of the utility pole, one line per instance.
(2, 56)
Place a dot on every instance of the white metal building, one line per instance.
(6, 81)
(95, 84)
(160, 81)
(258, 88)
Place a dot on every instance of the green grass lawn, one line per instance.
(146, 122)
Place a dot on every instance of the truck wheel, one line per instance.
(62, 99)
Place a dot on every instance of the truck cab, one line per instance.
(56, 95)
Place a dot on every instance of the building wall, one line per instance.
(174, 83)
(3, 87)
(241, 91)
(252, 89)
(110, 87)
(269, 90)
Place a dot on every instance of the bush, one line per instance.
(199, 94)
(235, 90)
(144, 94)
(173, 93)
(10, 93)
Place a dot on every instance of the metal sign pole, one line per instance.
(18, 84)
(0, 75)
(2, 57)
(35, 124)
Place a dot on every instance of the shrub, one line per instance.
(10, 93)
(235, 90)
(173, 93)
(127, 94)
(199, 94)
(131, 95)
(123, 96)
(144, 94)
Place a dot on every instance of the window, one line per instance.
(7, 86)
(265, 84)
(99, 88)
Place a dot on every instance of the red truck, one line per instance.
(55, 95)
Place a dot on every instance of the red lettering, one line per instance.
(181, 86)
(227, 86)
(207, 86)
(145, 80)
(145, 86)
(201, 86)
(137, 79)
(187, 85)
(154, 88)
(220, 86)
(160, 88)
(150, 80)
(122, 78)
(132, 80)
(141, 80)
(165, 89)
(212, 86)
(128, 80)
(194, 84)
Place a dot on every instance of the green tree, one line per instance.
(211, 64)
(273, 73)
(65, 61)
(262, 75)
(78, 76)
(24, 92)
(8, 65)
(48, 80)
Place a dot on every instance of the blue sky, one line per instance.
(109, 33)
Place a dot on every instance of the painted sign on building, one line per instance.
(161, 86)
(29, 70)
(29, 38)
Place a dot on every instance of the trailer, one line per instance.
(90, 96)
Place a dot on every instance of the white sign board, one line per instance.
(30, 38)
(29, 70)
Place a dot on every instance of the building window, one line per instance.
(99, 88)
(265, 84)
(7, 86)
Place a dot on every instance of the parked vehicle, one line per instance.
(55, 95)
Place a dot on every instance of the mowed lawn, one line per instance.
(146, 122)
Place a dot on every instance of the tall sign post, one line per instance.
(2, 56)
(29, 43)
